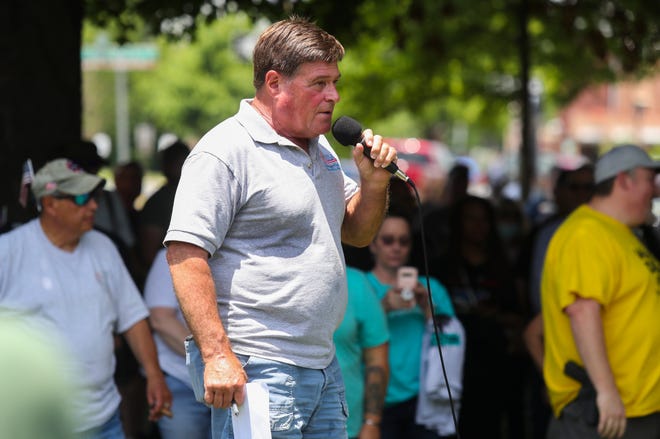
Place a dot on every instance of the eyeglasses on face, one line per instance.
(82, 199)
(404, 241)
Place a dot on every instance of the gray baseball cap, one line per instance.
(621, 159)
(62, 176)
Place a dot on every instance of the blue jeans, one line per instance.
(191, 419)
(112, 429)
(304, 403)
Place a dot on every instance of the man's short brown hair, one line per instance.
(288, 44)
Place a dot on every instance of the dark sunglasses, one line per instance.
(82, 199)
(403, 241)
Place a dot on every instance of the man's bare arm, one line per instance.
(224, 377)
(365, 211)
(142, 345)
(587, 328)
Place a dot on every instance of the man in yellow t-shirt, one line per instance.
(601, 302)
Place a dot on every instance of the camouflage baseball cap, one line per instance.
(62, 176)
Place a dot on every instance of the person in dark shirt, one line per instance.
(157, 211)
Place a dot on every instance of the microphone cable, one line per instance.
(348, 132)
(436, 322)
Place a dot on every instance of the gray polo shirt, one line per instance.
(270, 216)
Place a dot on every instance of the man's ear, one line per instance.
(272, 82)
(623, 179)
(47, 203)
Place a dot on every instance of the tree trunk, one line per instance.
(40, 89)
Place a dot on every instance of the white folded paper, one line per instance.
(252, 420)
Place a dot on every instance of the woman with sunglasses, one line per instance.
(407, 318)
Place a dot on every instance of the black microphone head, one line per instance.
(347, 131)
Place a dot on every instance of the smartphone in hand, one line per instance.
(406, 280)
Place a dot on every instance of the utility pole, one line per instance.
(102, 55)
(527, 138)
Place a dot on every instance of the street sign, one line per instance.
(103, 56)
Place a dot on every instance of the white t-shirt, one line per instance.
(81, 297)
(159, 292)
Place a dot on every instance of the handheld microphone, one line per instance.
(348, 132)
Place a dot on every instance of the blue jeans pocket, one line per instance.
(281, 416)
(344, 404)
(195, 368)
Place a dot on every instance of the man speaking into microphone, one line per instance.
(254, 244)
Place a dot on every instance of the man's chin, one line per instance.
(325, 125)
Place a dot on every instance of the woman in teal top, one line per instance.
(406, 321)
(361, 342)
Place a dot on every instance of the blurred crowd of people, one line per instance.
(91, 288)
(481, 259)
(488, 255)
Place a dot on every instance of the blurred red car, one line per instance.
(424, 161)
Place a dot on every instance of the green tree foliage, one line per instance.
(195, 86)
(453, 60)
(438, 61)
